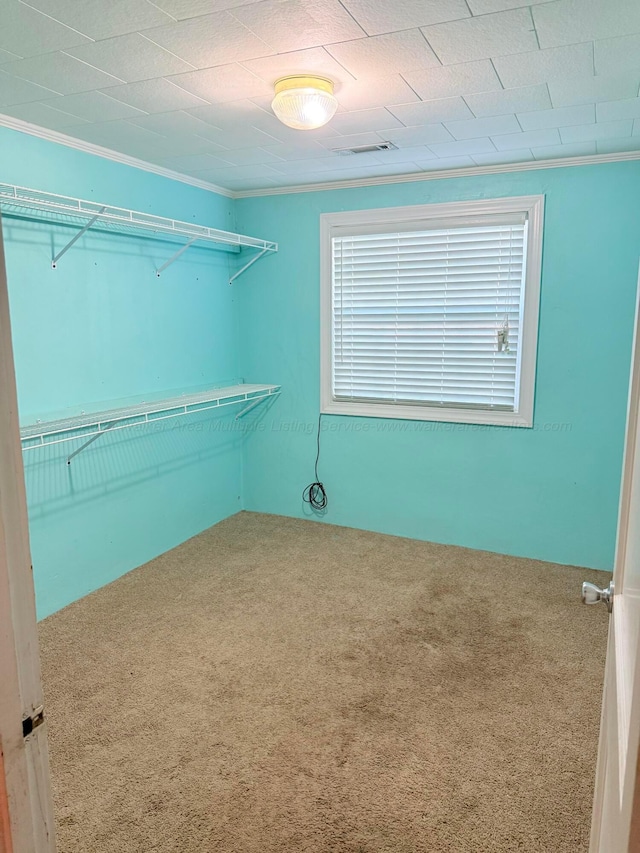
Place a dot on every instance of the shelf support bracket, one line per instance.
(246, 266)
(248, 408)
(54, 262)
(176, 256)
(88, 442)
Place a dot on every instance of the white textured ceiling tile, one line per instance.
(122, 136)
(520, 155)
(464, 79)
(594, 132)
(187, 144)
(422, 135)
(356, 170)
(483, 37)
(210, 40)
(463, 148)
(617, 55)
(251, 157)
(195, 162)
(413, 154)
(42, 115)
(7, 56)
(178, 123)
(296, 180)
(485, 7)
(241, 137)
(229, 114)
(459, 162)
(155, 96)
(394, 52)
(544, 66)
(302, 151)
(378, 171)
(616, 146)
(297, 24)
(375, 92)
(102, 19)
(552, 152)
(182, 9)
(131, 58)
(60, 72)
(636, 127)
(617, 110)
(592, 90)
(300, 167)
(353, 140)
(562, 117)
(26, 32)
(93, 106)
(224, 83)
(385, 16)
(571, 21)
(342, 166)
(531, 139)
(362, 121)
(509, 101)
(15, 90)
(341, 162)
(314, 60)
(241, 173)
(476, 127)
(427, 112)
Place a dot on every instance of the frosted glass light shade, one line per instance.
(304, 102)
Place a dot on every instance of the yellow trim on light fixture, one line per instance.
(303, 82)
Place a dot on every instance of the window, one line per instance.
(431, 312)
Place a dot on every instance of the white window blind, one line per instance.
(430, 315)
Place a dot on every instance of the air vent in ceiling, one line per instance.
(366, 149)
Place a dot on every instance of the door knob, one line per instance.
(592, 594)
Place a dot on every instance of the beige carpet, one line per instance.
(282, 686)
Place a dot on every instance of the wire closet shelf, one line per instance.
(90, 426)
(64, 210)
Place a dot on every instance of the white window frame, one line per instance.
(330, 223)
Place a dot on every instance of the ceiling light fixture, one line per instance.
(304, 102)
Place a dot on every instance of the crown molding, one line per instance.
(108, 154)
(435, 175)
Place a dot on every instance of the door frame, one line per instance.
(26, 806)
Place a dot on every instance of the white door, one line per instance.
(25, 793)
(616, 808)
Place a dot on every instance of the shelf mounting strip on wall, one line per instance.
(92, 425)
(64, 210)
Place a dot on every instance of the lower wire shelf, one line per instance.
(92, 425)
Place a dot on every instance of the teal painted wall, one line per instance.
(103, 327)
(550, 492)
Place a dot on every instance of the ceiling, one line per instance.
(187, 84)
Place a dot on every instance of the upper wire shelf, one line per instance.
(65, 210)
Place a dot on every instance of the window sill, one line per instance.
(427, 413)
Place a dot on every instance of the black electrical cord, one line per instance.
(315, 493)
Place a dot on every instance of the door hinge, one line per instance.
(33, 721)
